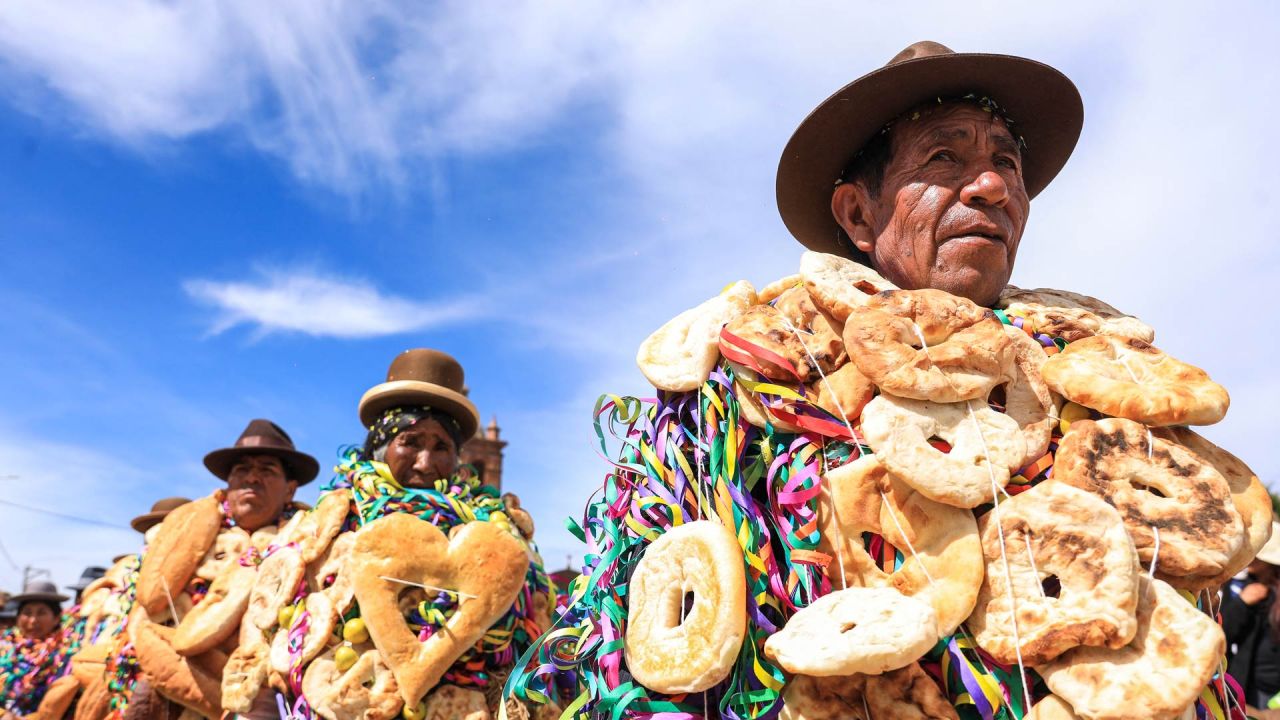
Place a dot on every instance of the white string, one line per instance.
(164, 582)
(903, 533)
(835, 513)
(459, 593)
(1150, 442)
(865, 709)
(1031, 556)
(1222, 661)
(697, 451)
(995, 498)
(826, 383)
(1151, 574)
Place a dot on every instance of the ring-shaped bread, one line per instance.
(1173, 655)
(319, 525)
(322, 618)
(216, 617)
(942, 562)
(1072, 316)
(275, 586)
(964, 353)
(985, 447)
(1055, 531)
(1027, 399)
(800, 341)
(1134, 380)
(839, 285)
(855, 630)
(367, 690)
(1155, 484)
(908, 693)
(687, 613)
(331, 572)
(227, 548)
(246, 671)
(680, 355)
(1248, 494)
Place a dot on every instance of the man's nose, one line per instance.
(988, 188)
(422, 462)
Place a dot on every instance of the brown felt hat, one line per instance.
(39, 590)
(159, 509)
(423, 377)
(263, 437)
(1043, 104)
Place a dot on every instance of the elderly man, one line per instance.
(914, 470)
(934, 159)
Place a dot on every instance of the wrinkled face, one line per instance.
(258, 490)
(37, 621)
(421, 454)
(951, 208)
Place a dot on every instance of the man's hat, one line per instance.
(263, 437)
(38, 590)
(1043, 104)
(159, 509)
(90, 574)
(423, 377)
(1270, 552)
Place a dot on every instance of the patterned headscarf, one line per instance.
(396, 419)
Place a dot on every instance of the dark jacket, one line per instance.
(1255, 664)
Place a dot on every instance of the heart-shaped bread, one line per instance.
(485, 564)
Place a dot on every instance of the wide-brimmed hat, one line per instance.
(91, 573)
(39, 590)
(159, 509)
(1043, 104)
(1270, 552)
(263, 437)
(423, 377)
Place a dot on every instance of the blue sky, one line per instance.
(211, 212)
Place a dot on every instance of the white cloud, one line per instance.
(310, 303)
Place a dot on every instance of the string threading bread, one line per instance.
(1155, 484)
(1055, 530)
(1134, 380)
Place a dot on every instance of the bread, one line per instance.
(171, 559)
(1072, 316)
(687, 612)
(679, 356)
(1131, 379)
(839, 285)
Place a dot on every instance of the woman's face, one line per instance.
(37, 621)
(421, 454)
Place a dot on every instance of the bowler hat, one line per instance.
(159, 509)
(90, 574)
(1043, 104)
(423, 377)
(38, 590)
(263, 437)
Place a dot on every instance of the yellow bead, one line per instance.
(1071, 412)
(415, 713)
(498, 517)
(286, 616)
(344, 657)
(354, 631)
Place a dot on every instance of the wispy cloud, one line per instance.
(314, 304)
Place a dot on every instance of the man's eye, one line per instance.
(1007, 162)
(943, 155)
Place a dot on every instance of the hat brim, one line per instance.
(415, 392)
(146, 521)
(304, 467)
(1044, 105)
(40, 596)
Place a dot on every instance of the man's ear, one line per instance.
(851, 206)
(291, 487)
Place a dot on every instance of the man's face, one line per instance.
(257, 491)
(37, 621)
(421, 454)
(951, 208)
